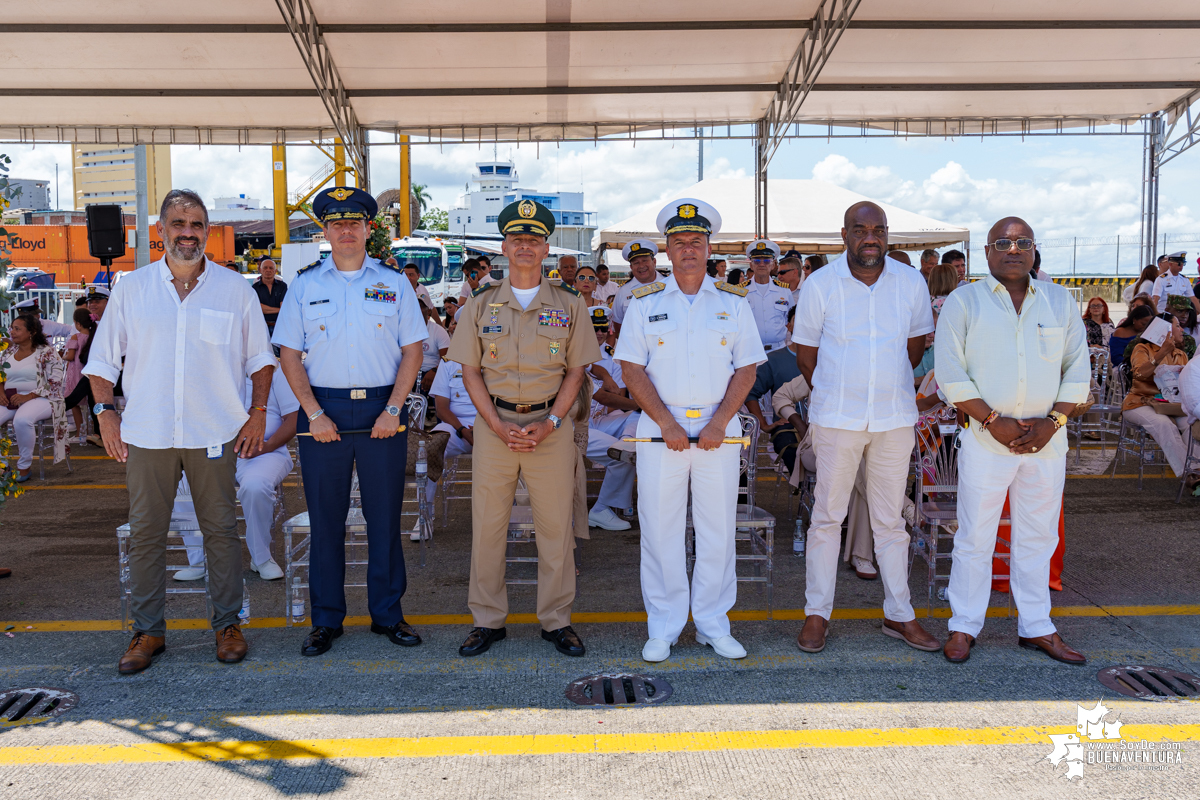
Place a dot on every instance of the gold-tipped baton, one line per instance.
(744, 441)
(401, 429)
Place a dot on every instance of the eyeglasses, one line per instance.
(786, 271)
(585, 277)
(762, 261)
(1006, 244)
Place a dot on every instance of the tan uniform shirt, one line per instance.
(524, 354)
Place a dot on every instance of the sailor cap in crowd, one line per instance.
(792, 254)
(639, 247)
(30, 303)
(762, 248)
(97, 293)
(599, 315)
(688, 215)
(1180, 256)
(526, 216)
(344, 202)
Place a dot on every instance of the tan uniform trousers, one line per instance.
(549, 474)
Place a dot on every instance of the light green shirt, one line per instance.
(1020, 365)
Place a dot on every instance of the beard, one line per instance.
(185, 251)
(869, 261)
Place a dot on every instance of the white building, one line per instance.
(31, 194)
(241, 201)
(495, 187)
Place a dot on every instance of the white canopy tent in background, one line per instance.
(803, 214)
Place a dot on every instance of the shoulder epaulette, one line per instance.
(392, 267)
(780, 285)
(642, 291)
(316, 263)
(740, 291)
(570, 289)
(483, 289)
(608, 348)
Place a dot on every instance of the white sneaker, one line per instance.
(268, 570)
(415, 536)
(604, 517)
(190, 574)
(656, 650)
(725, 646)
(864, 568)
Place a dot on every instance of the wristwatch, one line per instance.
(555, 421)
(100, 408)
(1058, 418)
(393, 410)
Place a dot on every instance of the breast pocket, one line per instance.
(216, 327)
(552, 344)
(381, 317)
(662, 339)
(1050, 343)
(720, 338)
(319, 319)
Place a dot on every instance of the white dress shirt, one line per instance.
(690, 350)
(281, 401)
(185, 363)
(1019, 365)
(431, 348)
(863, 380)
(770, 302)
(605, 291)
(1169, 284)
(625, 294)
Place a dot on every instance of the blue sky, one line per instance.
(1065, 186)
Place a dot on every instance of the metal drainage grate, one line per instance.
(40, 702)
(1149, 683)
(617, 689)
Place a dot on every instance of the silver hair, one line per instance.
(182, 198)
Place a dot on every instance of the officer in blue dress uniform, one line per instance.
(360, 329)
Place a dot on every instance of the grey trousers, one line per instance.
(153, 478)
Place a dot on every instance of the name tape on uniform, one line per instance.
(658, 317)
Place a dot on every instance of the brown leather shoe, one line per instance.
(912, 633)
(1055, 647)
(958, 647)
(231, 645)
(142, 650)
(5, 572)
(812, 635)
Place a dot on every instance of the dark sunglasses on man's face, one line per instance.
(787, 270)
(1006, 244)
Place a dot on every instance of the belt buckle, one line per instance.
(358, 394)
(692, 413)
(524, 408)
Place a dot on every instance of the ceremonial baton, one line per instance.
(744, 441)
(401, 429)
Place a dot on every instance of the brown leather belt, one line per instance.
(523, 408)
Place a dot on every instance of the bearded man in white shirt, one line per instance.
(1012, 354)
(190, 332)
(867, 317)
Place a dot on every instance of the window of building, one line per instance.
(493, 218)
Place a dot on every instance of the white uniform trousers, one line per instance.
(1035, 491)
(457, 446)
(616, 490)
(887, 455)
(1169, 432)
(663, 485)
(257, 480)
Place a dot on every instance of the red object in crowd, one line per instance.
(1000, 568)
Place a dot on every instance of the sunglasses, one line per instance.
(762, 261)
(585, 277)
(1006, 244)
(786, 271)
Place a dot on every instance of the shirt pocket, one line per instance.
(319, 319)
(216, 327)
(720, 338)
(552, 344)
(662, 339)
(379, 318)
(1050, 343)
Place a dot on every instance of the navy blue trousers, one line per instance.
(327, 470)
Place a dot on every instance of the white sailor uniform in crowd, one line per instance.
(769, 303)
(448, 383)
(605, 428)
(258, 478)
(690, 348)
(50, 327)
(634, 249)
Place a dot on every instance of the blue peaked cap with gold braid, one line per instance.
(344, 202)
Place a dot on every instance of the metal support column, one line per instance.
(405, 189)
(760, 181)
(339, 163)
(1150, 166)
(700, 156)
(279, 198)
(142, 253)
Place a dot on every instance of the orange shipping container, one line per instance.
(219, 247)
(29, 244)
(63, 249)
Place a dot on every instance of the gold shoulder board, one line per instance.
(740, 291)
(642, 291)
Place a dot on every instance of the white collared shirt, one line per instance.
(863, 380)
(770, 302)
(690, 350)
(605, 291)
(625, 294)
(1019, 365)
(1169, 284)
(448, 383)
(185, 363)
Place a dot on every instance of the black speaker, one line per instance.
(106, 232)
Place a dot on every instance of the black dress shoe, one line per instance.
(566, 641)
(401, 633)
(479, 640)
(319, 640)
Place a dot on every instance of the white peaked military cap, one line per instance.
(688, 214)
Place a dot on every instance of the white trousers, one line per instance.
(1035, 491)
(887, 455)
(257, 479)
(1169, 432)
(23, 420)
(663, 477)
(616, 491)
(457, 446)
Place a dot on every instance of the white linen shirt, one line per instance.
(624, 295)
(604, 293)
(351, 331)
(185, 363)
(770, 302)
(863, 380)
(1019, 365)
(690, 350)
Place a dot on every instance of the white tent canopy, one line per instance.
(803, 214)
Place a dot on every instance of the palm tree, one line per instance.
(420, 195)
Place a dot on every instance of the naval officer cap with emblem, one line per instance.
(344, 202)
(636, 248)
(688, 215)
(762, 248)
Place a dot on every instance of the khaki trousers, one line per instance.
(859, 541)
(549, 474)
(153, 477)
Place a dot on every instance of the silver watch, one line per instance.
(555, 421)
(393, 410)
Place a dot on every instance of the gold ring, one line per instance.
(1035, 449)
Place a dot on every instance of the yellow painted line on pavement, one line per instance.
(579, 617)
(77, 486)
(558, 744)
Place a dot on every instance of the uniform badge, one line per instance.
(527, 209)
(722, 341)
(723, 316)
(660, 341)
(494, 309)
(492, 329)
(554, 317)
(554, 348)
(492, 350)
(657, 317)
(380, 295)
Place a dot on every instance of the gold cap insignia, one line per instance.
(761, 247)
(633, 248)
(687, 211)
(340, 193)
(527, 209)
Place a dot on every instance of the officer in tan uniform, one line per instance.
(523, 343)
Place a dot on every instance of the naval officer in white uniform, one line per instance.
(769, 302)
(688, 351)
(641, 255)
